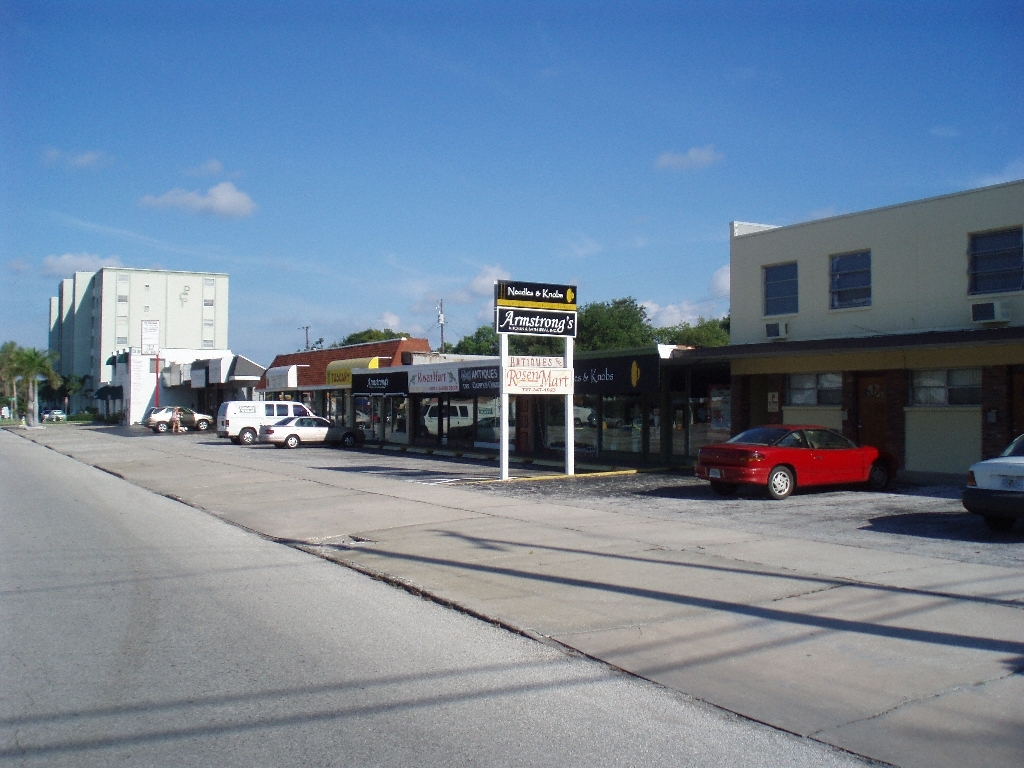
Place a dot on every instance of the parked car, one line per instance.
(296, 430)
(995, 488)
(781, 458)
(159, 419)
(240, 420)
(55, 415)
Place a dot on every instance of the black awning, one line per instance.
(108, 392)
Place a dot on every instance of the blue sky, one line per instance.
(350, 164)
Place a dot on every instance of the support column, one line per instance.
(503, 449)
(570, 414)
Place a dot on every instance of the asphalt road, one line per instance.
(137, 631)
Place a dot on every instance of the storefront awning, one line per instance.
(283, 377)
(339, 372)
(108, 392)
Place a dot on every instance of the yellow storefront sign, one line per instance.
(339, 372)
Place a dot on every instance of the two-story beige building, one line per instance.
(901, 326)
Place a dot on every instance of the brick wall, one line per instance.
(996, 414)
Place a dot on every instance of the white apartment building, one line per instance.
(97, 315)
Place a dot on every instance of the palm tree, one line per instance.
(9, 372)
(32, 365)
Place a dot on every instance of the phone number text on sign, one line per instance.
(537, 381)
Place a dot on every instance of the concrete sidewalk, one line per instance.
(905, 659)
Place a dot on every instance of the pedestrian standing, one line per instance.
(176, 421)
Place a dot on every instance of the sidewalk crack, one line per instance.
(919, 699)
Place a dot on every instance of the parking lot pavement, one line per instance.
(891, 624)
(929, 522)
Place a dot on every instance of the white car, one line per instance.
(995, 488)
(296, 430)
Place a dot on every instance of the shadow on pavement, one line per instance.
(937, 525)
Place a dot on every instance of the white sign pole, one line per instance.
(570, 414)
(503, 346)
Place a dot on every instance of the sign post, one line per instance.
(536, 309)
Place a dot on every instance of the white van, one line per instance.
(241, 420)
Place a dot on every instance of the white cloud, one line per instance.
(718, 286)
(822, 213)
(389, 320)
(945, 132)
(483, 283)
(92, 159)
(582, 247)
(211, 167)
(1013, 171)
(69, 263)
(695, 157)
(224, 199)
(17, 266)
(683, 312)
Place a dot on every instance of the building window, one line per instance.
(815, 389)
(850, 280)
(207, 302)
(207, 343)
(122, 299)
(208, 281)
(780, 290)
(996, 262)
(145, 308)
(122, 341)
(959, 386)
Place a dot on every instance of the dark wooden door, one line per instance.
(871, 407)
(1017, 401)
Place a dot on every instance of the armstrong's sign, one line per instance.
(512, 293)
(535, 322)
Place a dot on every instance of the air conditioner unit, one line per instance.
(776, 330)
(990, 312)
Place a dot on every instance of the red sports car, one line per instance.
(780, 458)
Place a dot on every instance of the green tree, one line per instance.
(9, 374)
(710, 332)
(369, 334)
(618, 324)
(32, 365)
(484, 341)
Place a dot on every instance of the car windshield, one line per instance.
(1016, 448)
(760, 436)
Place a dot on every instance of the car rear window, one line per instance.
(1016, 448)
(759, 436)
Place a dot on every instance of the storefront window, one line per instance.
(459, 422)
(488, 425)
(622, 424)
(396, 419)
(553, 423)
(364, 416)
(585, 419)
(712, 418)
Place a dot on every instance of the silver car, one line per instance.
(296, 430)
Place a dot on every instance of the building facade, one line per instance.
(96, 315)
(903, 326)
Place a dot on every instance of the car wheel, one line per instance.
(202, 425)
(725, 489)
(160, 428)
(999, 523)
(781, 482)
(247, 436)
(878, 477)
(349, 440)
(292, 441)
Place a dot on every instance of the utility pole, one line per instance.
(440, 322)
(306, 329)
